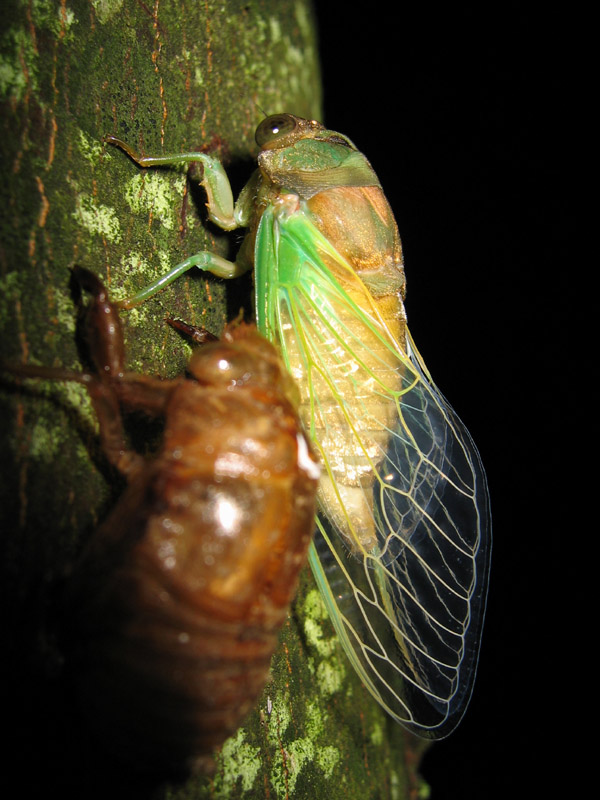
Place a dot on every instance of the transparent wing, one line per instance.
(403, 567)
(409, 613)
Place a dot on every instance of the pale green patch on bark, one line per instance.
(59, 20)
(12, 80)
(330, 676)
(132, 265)
(242, 763)
(303, 18)
(91, 149)
(65, 314)
(97, 218)
(150, 193)
(314, 636)
(46, 441)
(290, 757)
(42, 445)
(17, 65)
(376, 734)
(275, 29)
(327, 758)
(106, 9)
(285, 772)
(314, 720)
(314, 612)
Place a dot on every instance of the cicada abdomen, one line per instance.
(175, 606)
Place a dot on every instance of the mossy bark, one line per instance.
(165, 77)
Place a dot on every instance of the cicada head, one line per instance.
(282, 130)
(242, 356)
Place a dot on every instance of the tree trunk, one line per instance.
(164, 77)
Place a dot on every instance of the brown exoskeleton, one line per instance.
(179, 595)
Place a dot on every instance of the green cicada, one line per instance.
(402, 548)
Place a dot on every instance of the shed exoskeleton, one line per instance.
(174, 608)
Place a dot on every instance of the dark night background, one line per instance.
(464, 113)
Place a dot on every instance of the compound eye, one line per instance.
(273, 128)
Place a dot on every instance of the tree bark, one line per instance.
(165, 77)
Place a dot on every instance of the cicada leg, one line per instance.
(221, 211)
(105, 343)
(109, 387)
(210, 262)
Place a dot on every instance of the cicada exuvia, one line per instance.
(172, 613)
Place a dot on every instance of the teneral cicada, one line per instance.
(403, 544)
(174, 610)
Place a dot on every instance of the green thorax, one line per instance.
(303, 157)
(311, 166)
(316, 201)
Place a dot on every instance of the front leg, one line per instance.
(221, 211)
(215, 181)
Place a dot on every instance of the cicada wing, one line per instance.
(401, 553)
(410, 612)
(432, 512)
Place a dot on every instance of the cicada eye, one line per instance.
(274, 127)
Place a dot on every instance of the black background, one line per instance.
(466, 114)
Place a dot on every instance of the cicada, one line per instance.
(173, 611)
(402, 549)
